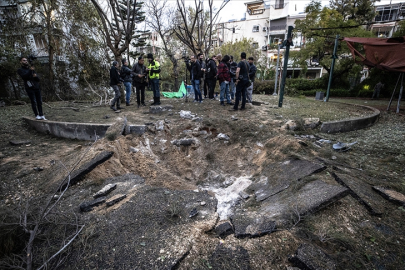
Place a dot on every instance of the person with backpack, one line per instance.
(211, 76)
(252, 75)
(224, 78)
(232, 71)
(242, 82)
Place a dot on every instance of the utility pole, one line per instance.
(287, 43)
(334, 57)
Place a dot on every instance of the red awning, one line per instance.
(383, 53)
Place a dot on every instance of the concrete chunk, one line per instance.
(224, 229)
(361, 191)
(78, 175)
(105, 190)
(115, 199)
(391, 195)
(15, 142)
(310, 257)
(160, 108)
(252, 225)
(88, 206)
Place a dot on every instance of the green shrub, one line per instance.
(263, 87)
(365, 93)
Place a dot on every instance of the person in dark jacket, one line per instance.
(140, 80)
(252, 75)
(224, 78)
(32, 87)
(232, 71)
(115, 83)
(195, 75)
(242, 81)
(127, 78)
(211, 76)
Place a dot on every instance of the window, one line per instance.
(255, 45)
(264, 29)
(255, 28)
(279, 4)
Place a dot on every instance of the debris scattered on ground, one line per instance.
(339, 146)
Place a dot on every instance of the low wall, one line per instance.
(79, 131)
(351, 124)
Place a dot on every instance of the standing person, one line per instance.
(126, 77)
(224, 78)
(232, 71)
(139, 80)
(252, 75)
(154, 70)
(195, 76)
(242, 81)
(115, 83)
(211, 76)
(32, 87)
(206, 87)
(377, 89)
(200, 58)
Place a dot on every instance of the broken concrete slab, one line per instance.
(88, 206)
(281, 175)
(105, 191)
(391, 195)
(115, 199)
(160, 108)
(312, 258)
(224, 229)
(252, 225)
(187, 141)
(230, 258)
(79, 174)
(116, 129)
(158, 226)
(285, 208)
(362, 192)
(16, 143)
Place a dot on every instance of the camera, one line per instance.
(31, 58)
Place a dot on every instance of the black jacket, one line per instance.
(126, 74)
(114, 76)
(195, 70)
(232, 69)
(28, 76)
(139, 69)
(211, 70)
(252, 72)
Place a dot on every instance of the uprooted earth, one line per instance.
(204, 188)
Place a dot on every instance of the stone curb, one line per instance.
(351, 124)
(79, 131)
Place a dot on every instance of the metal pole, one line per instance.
(278, 61)
(286, 54)
(400, 92)
(334, 57)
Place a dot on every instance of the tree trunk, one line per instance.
(17, 96)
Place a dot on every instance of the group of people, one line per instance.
(235, 79)
(139, 77)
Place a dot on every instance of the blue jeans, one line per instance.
(154, 84)
(224, 92)
(197, 91)
(127, 91)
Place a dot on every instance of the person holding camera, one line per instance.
(115, 83)
(32, 87)
(126, 77)
(242, 82)
(195, 75)
(140, 80)
(154, 70)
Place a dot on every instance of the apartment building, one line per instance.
(387, 19)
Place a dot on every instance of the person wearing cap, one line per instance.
(115, 82)
(139, 81)
(126, 77)
(153, 75)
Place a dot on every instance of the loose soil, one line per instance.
(345, 230)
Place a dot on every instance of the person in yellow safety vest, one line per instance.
(153, 74)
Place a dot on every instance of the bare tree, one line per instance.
(119, 19)
(160, 20)
(194, 25)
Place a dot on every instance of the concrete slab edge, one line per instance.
(351, 124)
(79, 131)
